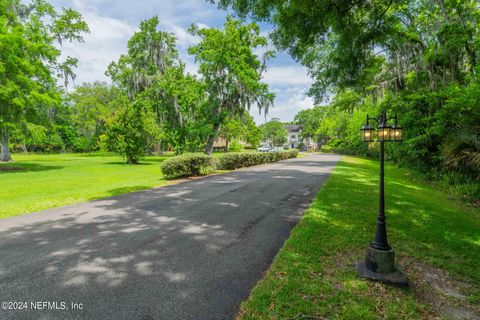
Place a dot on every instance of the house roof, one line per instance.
(293, 128)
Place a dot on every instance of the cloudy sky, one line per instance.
(112, 23)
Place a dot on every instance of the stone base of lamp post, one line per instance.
(379, 265)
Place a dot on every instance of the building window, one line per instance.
(293, 136)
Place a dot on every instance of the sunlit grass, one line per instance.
(314, 274)
(37, 182)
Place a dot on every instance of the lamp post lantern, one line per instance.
(379, 262)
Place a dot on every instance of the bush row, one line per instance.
(235, 160)
(190, 164)
(195, 164)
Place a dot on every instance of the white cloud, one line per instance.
(169, 12)
(287, 75)
(106, 41)
(184, 38)
(290, 84)
(288, 102)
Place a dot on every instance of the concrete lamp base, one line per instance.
(379, 265)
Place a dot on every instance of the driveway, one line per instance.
(188, 251)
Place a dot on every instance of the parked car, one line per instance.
(264, 149)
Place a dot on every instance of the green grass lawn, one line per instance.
(314, 277)
(37, 182)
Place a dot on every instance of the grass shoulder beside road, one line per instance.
(437, 241)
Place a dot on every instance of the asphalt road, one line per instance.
(188, 251)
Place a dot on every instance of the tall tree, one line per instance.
(181, 109)
(133, 129)
(91, 105)
(310, 120)
(152, 70)
(150, 53)
(274, 132)
(231, 72)
(29, 61)
(242, 128)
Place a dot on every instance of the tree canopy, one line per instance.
(231, 72)
(274, 132)
(30, 62)
(359, 44)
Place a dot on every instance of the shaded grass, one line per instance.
(313, 276)
(37, 182)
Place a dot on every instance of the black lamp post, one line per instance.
(379, 263)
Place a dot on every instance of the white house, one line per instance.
(294, 137)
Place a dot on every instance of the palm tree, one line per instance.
(461, 150)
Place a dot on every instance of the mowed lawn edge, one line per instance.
(36, 182)
(313, 276)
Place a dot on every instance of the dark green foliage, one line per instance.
(189, 164)
(153, 103)
(240, 128)
(310, 120)
(29, 61)
(235, 146)
(462, 149)
(133, 131)
(274, 132)
(91, 107)
(231, 72)
(235, 160)
(334, 39)
(196, 164)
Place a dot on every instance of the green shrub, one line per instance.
(197, 164)
(460, 183)
(235, 146)
(133, 131)
(185, 165)
(326, 148)
(235, 160)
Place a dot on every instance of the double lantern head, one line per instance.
(385, 132)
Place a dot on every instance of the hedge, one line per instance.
(197, 164)
(190, 164)
(235, 160)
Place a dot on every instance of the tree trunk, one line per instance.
(158, 149)
(211, 140)
(131, 160)
(6, 156)
(471, 56)
(444, 11)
